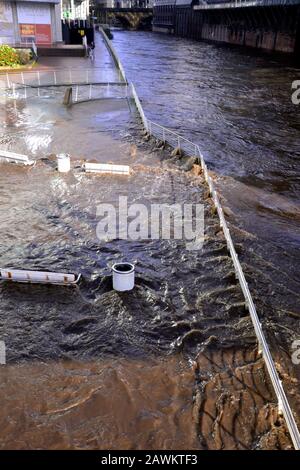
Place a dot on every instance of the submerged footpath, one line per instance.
(172, 364)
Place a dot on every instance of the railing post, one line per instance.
(54, 76)
(90, 94)
(22, 77)
(39, 78)
(87, 76)
(8, 82)
(76, 93)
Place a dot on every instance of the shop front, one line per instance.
(26, 22)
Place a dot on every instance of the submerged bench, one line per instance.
(106, 168)
(38, 277)
(16, 157)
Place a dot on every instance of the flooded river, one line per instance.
(172, 364)
(236, 105)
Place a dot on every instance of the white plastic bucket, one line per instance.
(63, 162)
(123, 276)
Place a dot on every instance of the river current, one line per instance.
(173, 364)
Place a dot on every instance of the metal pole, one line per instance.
(54, 76)
(39, 79)
(90, 95)
(76, 94)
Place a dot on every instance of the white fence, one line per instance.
(57, 77)
(80, 93)
(83, 93)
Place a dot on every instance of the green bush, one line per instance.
(8, 57)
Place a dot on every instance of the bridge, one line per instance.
(129, 17)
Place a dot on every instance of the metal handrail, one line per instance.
(49, 70)
(54, 76)
(81, 92)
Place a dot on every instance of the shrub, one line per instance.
(24, 56)
(8, 57)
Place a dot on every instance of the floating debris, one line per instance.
(106, 168)
(16, 157)
(38, 277)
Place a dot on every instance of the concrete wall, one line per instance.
(273, 28)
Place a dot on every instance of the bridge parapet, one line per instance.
(127, 4)
(132, 16)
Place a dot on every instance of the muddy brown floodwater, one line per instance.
(172, 364)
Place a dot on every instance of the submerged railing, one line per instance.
(80, 92)
(57, 77)
(189, 148)
(100, 91)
